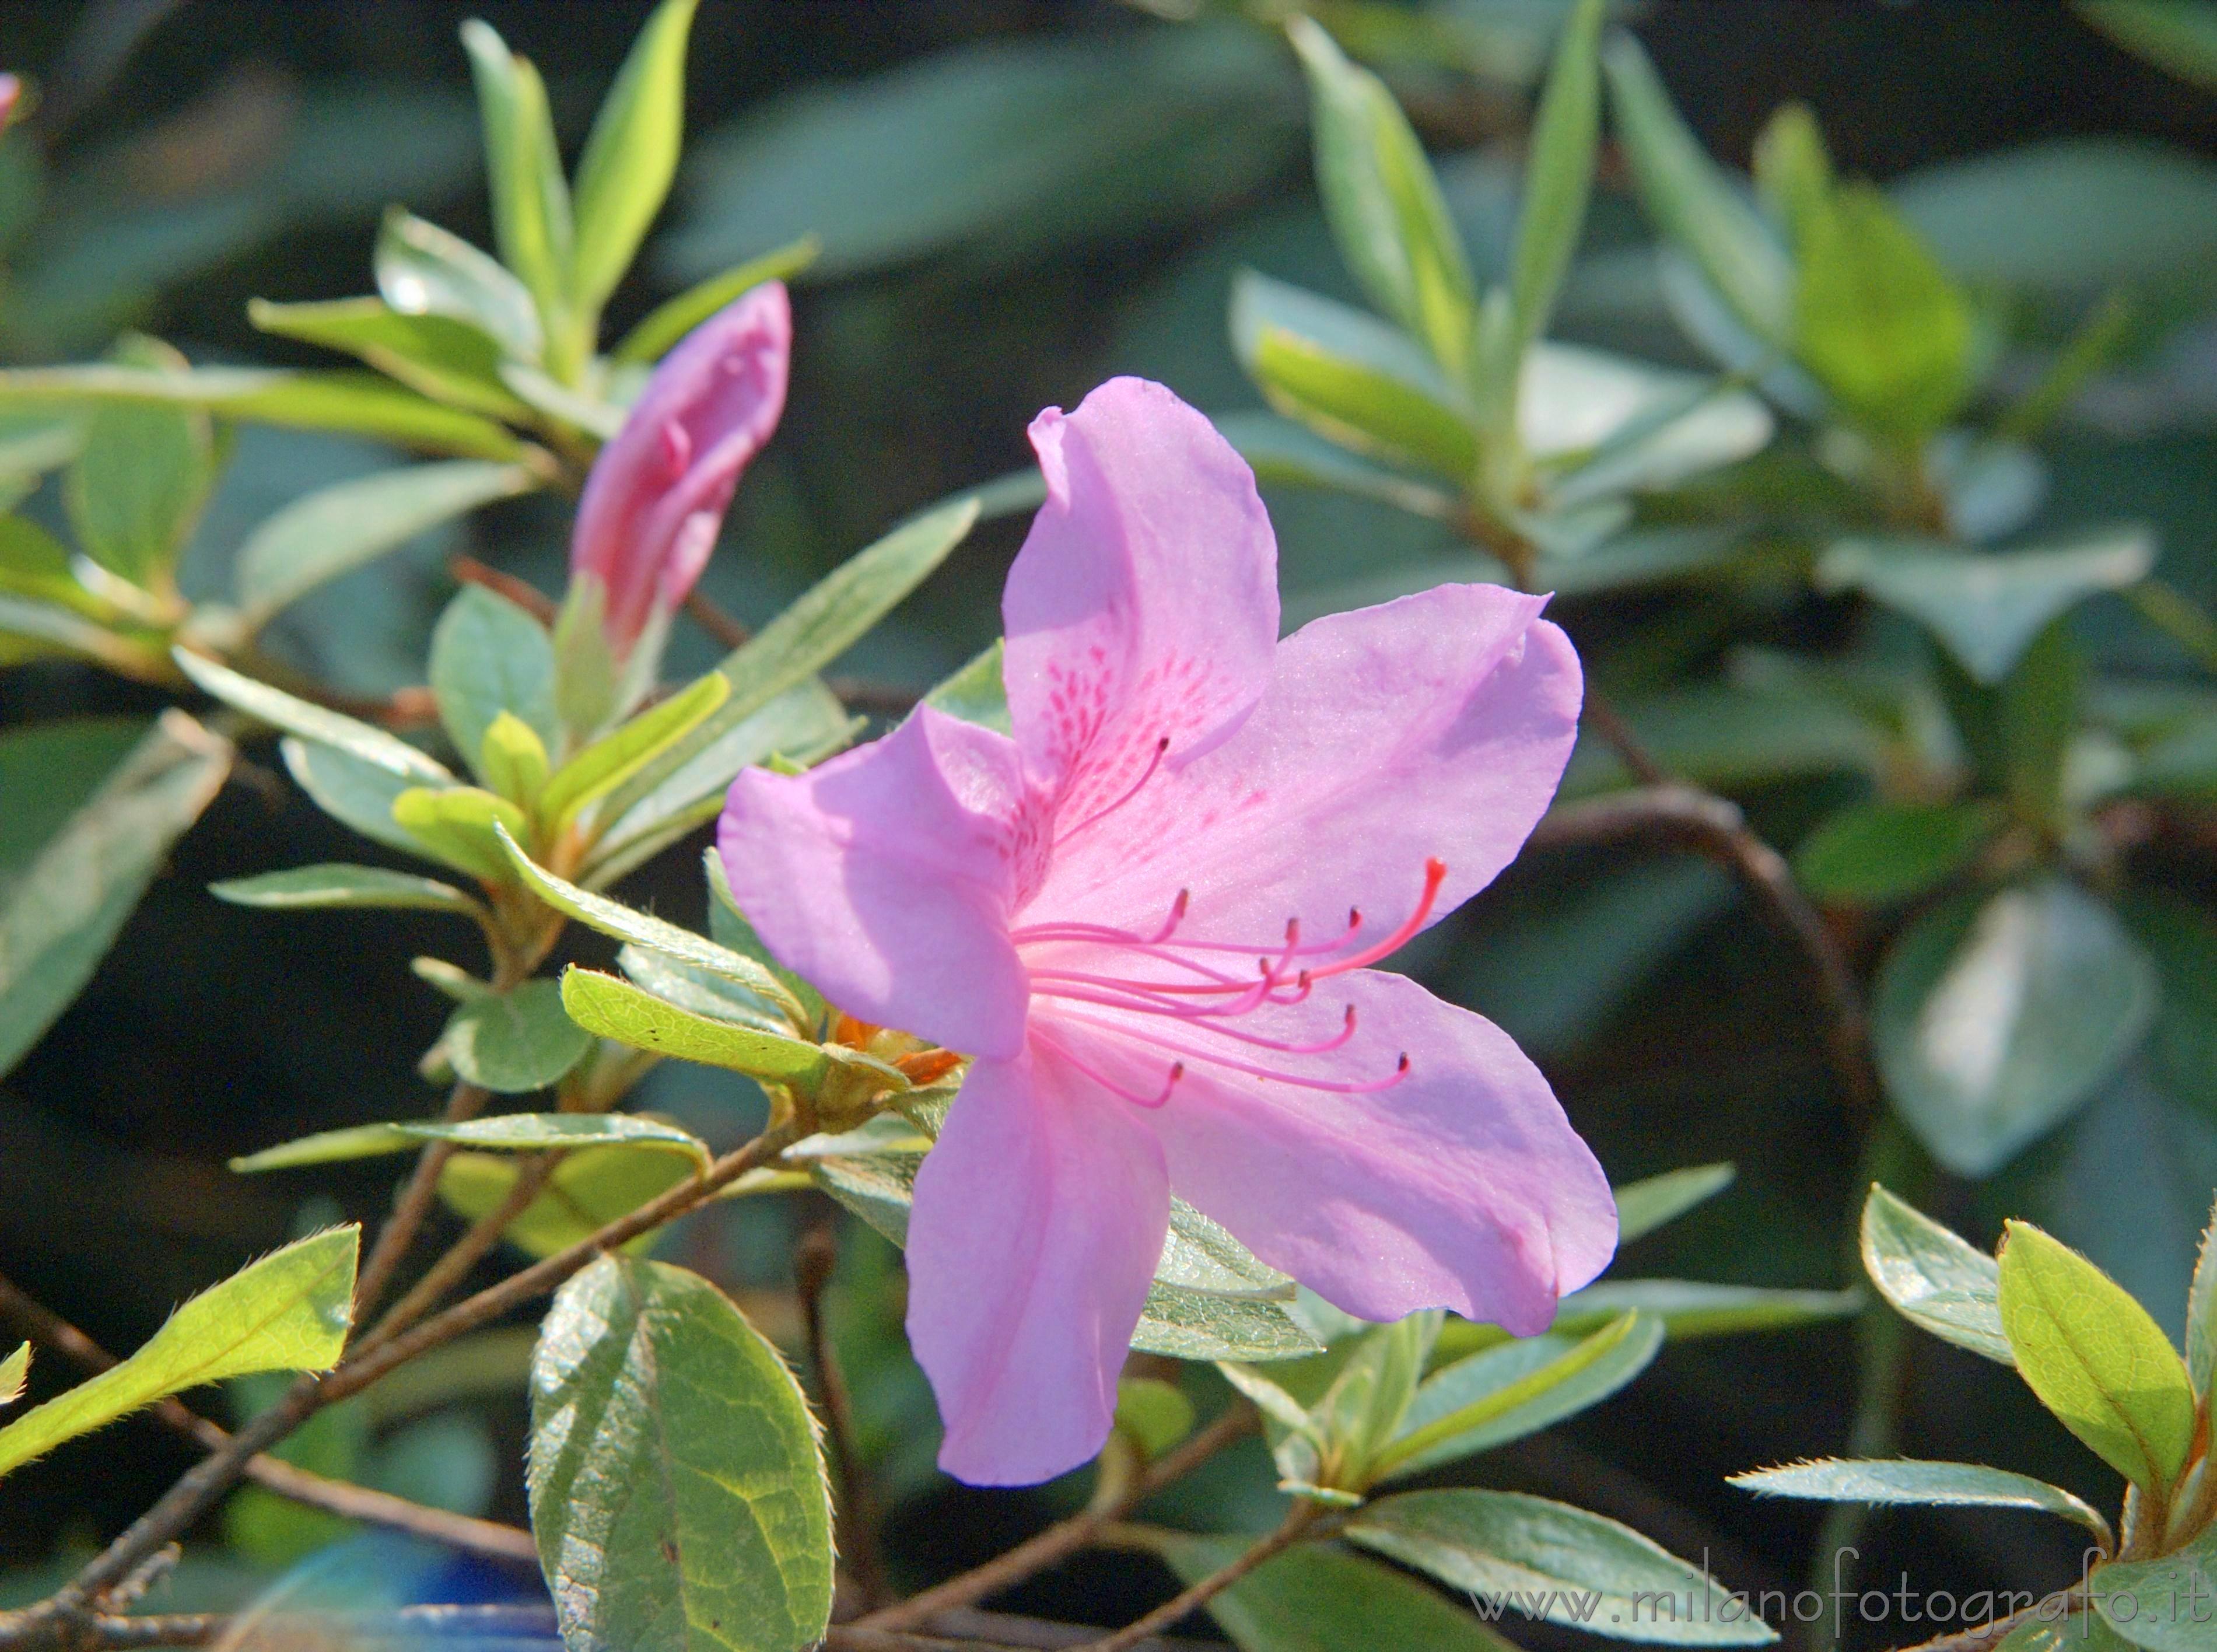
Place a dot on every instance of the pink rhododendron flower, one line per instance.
(655, 501)
(11, 88)
(1150, 917)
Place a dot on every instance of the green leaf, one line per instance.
(1286, 454)
(2201, 1312)
(327, 1147)
(359, 794)
(2018, 734)
(524, 167)
(597, 911)
(1654, 1201)
(669, 321)
(1602, 425)
(461, 826)
(287, 1312)
(631, 155)
(489, 656)
(423, 271)
(977, 693)
(1316, 1597)
(311, 722)
(14, 1370)
(1934, 1278)
(1154, 1415)
(517, 1042)
(1367, 1401)
(1507, 1393)
(2182, 1047)
(1383, 203)
(1693, 202)
(1995, 1015)
(2076, 1630)
(677, 1490)
(620, 754)
(1694, 1308)
(1349, 378)
(829, 618)
(446, 358)
(614, 1008)
(2096, 1358)
(1871, 854)
(1559, 170)
(1556, 1563)
(513, 760)
(731, 929)
(335, 530)
(514, 1132)
(688, 989)
(64, 895)
(1792, 169)
(1987, 606)
(311, 888)
(140, 481)
(1877, 320)
(2163, 1605)
(2180, 39)
(588, 1190)
(1906, 1480)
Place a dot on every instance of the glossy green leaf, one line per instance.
(1655, 1201)
(1936, 1280)
(1987, 606)
(631, 155)
(1560, 1564)
(588, 1190)
(1383, 202)
(2163, 1605)
(1559, 170)
(2096, 1358)
(144, 473)
(678, 1489)
(1314, 1597)
(1349, 378)
(1906, 1480)
(460, 826)
(85, 849)
(312, 722)
(309, 888)
(356, 793)
(423, 271)
(1995, 1015)
(1693, 202)
(1870, 854)
(489, 656)
(620, 754)
(338, 529)
(614, 1008)
(444, 357)
(670, 320)
(289, 1311)
(517, 1042)
(524, 167)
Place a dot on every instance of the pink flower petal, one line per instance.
(1039, 1216)
(705, 413)
(883, 877)
(1437, 726)
(1144, 606)
(1461, 1186)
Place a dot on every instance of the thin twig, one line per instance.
(464, 1101)
(814, 1260)
(1065, 1537)
(882, 699)
(338, 1497)
(463, 1254)
(1187, 1601)
(2053, 1608)
(526, 596)
(726, 629)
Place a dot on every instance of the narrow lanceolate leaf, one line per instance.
(64, 896)
(1560, 1564)
(2163, 1605)
(338, 529)
(1872, 853)
(530, 198)
(489, 656)
(2096, 1358)
(616, 757)
(512, 1043)
(677, 1491)
(14, 1370)
(669, 321)
(1902, 1481)
(614, 1008)
(423, 270)
(1368, 1400)
(312, 722)
(1385, 207)
(446, 358)
(511, 1132)
(1947, 1287)
(632, 154)
(1558, 173)
(1645, 1205)
(287, 1312)
(309, 889)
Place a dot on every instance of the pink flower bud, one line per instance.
(11, 88)
(655, 501)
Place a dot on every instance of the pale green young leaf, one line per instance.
(289, 1311)
(631, 155)
(14, 1370)
(678, 1489)
(423, 271)
(138, 485)
(588, 1189)
(461, 826)
(1934, 1278)
(2201, 1312)
(1559, 170)
(1367, 1401)
(1273, 1402)
(2163, 1604)
(1793, 169)
(1905, 1480)
(669, 321)
(357, 793)
(335, 530)
(1655, 1201)
(623, 753)
(1384, 204)
(1317, 1596)
(328, 1148)
(612, 1007)
(524, 167)
(311, 888)
(444, 357)
(489, 656)
(515, 1041)
(1283, 453)
(976, 693)
(1154, 1415)
(1561, 1564)
(513, 760)
(2096, 1358)
(312, 722)
(68, 882)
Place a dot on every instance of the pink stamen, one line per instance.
(1337, 1086)
(1146, 774)
(1176, 1071)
